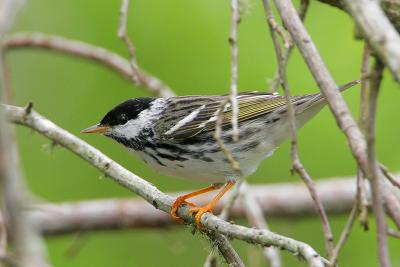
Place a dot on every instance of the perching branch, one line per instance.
(87, 51)
(150, 193)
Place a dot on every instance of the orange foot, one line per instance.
(178, 202)
(197, 213)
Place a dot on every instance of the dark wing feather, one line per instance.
(203, 114)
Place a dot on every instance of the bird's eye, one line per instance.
(122, 119)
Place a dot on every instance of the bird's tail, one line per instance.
(312, 104)
(319, 97)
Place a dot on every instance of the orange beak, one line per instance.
(96, 129)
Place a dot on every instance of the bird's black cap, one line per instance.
(126, 111)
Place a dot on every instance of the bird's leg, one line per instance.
(182, 200)
(198, 212)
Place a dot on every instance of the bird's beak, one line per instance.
(96, 129)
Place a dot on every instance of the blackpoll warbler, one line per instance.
(175, 135)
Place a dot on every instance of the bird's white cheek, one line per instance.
(124, 132)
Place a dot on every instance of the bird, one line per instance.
(176, 135)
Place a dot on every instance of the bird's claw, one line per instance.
(174, 210)
(197, 213)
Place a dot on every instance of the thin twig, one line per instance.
(296, 163)
(389, 176)
(375, 177)
(151, 194)
(275, 29)
(362, 121)
(122, 34)
(344, 235)
(225, 213)
(362, 202)
(256, 218)
(231, 200)
(224, 247)
(233, 40)
(393, 233)
(335, 100)
(282, 58)
(302, 172)
(87, 51)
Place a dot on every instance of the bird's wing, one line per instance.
(201, 114)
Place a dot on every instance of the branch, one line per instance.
(136, 76)
(389, 176)
(150, 193)
(23, 231)
(390, 7)
(362, 121)
(296, 163)
(231, 197)
(256, 218)
(335, 100)
(376, 177)
(233, 39)
(378, 31)
(26, 240)
(225, 249)
(343, 236)
(87, 51)
(275, 200)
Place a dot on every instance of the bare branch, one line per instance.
(276, 200)
(225, 249)
(296, 163)
(225, 213)
(344, 235)
(378, 31)
(375, 178)
(234, 68)
(87, 51)
(393, 233)
(255, 216)
(26, 241)
(123, 13)
(362, 121)
(151, 194)
(335, 101)
(389, 176)
(302, 172)
(275, 29)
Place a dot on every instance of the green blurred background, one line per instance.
(184, 43)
